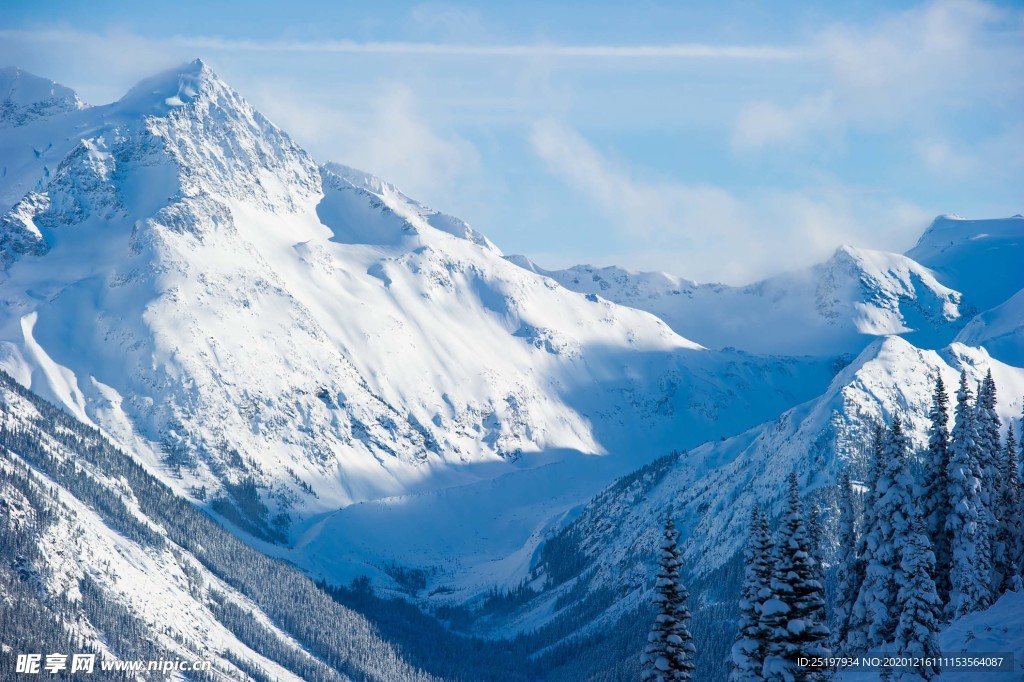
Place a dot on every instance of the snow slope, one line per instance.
(187, 278)
(835, 307)
(981, 258)
(170, 582)
(711, 489)
(996, 630)
(38, 125)
(25, 97)
(1000, 330)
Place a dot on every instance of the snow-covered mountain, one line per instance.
(837, 306)
(595, 565)
(26, 98)
(365, 386)
(185, 276)
(1000, 330)
(978, 257)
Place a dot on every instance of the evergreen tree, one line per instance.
(936, 500)
(748, 650)
(850, 571)
(969, 559)
(1020, 464)
(1019, 470)
(857, 638)
(816, 533)
(790, 616)
(670, 651)
(1009, 547)
(918, 604)
(990, 455)
(892, 497)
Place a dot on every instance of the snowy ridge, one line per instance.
(413, 211)
(831, 308)
(25, 98)
(189, 280)
(966, 253)
(711, 489)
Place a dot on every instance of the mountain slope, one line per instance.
(831, 308)
(95, 548)
(189, 280)
(978, 257)
(25, 98)
(598, 561)
(1000, 330)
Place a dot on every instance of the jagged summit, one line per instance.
(175, 87)
(25, 97)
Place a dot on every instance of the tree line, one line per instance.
(928, 537)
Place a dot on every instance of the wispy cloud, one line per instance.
(391, 139)
(907, 70)
(543, 50)
(922, 101)
(708, 233)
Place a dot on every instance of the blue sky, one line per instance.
(718, 141)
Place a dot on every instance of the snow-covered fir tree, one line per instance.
(1009, 541)
(970, 561)
(816, 533)
(893, 496)
(936, 485)
(669, 654)
(1020, 463)
(918, 605)
(850, 570)
(856, 640)
(990, 452)
(1019, 469)
(748, 650)
(790, 615)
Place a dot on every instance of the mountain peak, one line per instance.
(965, 252)
(951, 228)
(174, 88)
(25, 97)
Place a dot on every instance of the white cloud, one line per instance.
(389, 136)
(911, 69)
(707, 233)
(939, 157)
(449, 22)
(401, 145)
(762, 123)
